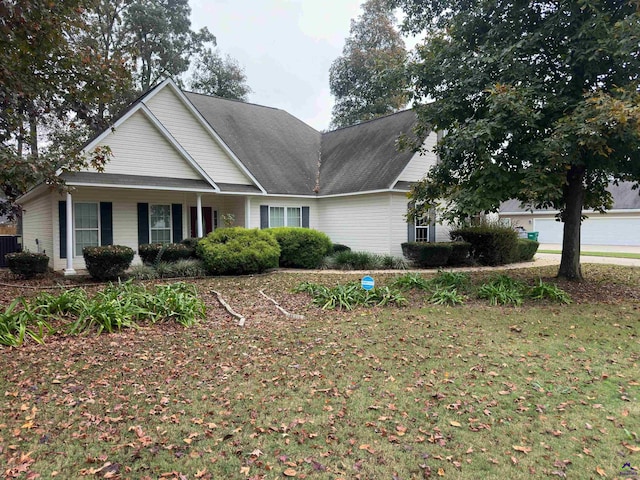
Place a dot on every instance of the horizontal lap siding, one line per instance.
(312, 203)
(138, 148)
(37, 223)
(362, 221)
(193, 137)
(420, 164)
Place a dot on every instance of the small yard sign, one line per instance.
(368, 282)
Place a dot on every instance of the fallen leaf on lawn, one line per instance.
(244, 470)
(522, 449)
(633, 448)
(601, 471)
(441, 472)
(514, 460)
(290, 472)
(453, 423)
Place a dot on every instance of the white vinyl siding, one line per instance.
(596, 230)
(421, 162)
(86, 224)
(37, 224)
(160, 223)
(194, 138)
(138, 148)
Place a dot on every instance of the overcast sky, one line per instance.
(285, 46)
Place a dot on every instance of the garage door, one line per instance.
(595, 231)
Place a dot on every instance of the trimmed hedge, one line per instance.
(338, 247)
(427, 254)
(107, 262)
(491, 244)
(27, 264)
(301, 247)
(152, 253)
(526, 249)
(237, 251)
(459, 253)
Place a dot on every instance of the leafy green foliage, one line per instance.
(427, 254)
(238, 251)
(154, 253)
(338, 247)
(19, 321)
(118, 306)
(491, 243)
(548, 291)
(446, 296)
(301, 247)
(526, 249)
(351, 295)
(143, 272)
(188, 267)
(502, 290)
(349, 260)
(458, 280)
(368, 80)
(221, 76)
(411, 281)
(107, 262)
(27, 264)
(549, 123)
(459, 253)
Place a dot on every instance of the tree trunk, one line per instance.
(572, 218)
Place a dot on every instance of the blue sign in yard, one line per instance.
(368, 282)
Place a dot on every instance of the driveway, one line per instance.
(631, 262)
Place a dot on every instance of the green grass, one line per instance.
(598, 254)
(469, 391)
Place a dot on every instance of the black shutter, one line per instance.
(106, 223)
(62, 216)
(264, 216)
(305, 217)
(176, 222)
(143, 223)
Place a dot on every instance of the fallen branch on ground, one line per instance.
(288, 314)
(231, 311)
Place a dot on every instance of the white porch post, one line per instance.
(69, 270)
(199, 216)
(247, 212)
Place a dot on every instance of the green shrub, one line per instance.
(348, 260)
(503, 290)
(191, 242)
(107, 262)
(446, 296)
(19, 321)
(27, 264)
(549, 291)
(237, 251)
(459, 253)
(189, 267)
(491, 243)
(411, 281)
(526, 249)
(451, 280)
(427, 254)
(338, 247)
(350, 296)
(152, 253)
(301, 247)
(143, 272)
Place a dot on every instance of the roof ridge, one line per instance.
(372, 120)
(233, 100)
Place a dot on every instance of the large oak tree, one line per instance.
(539, 101)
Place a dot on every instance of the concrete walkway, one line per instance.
(631, 262)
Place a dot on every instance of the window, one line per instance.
(87, 227)
(285, 216)
(422, 229)
(160, 223)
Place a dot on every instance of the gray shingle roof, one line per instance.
(279, 150)
(364, 157)
(624, 198)
(97, 179)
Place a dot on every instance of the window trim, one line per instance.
(286, 217)
(425, 227)
(75, 228)
(170, 227)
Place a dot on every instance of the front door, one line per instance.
(206, 217)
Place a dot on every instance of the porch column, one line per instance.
(69, 270)
(247, 212)
(199, 232)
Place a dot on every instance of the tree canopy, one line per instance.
(368, 79)
(221, 76)
(539, 102)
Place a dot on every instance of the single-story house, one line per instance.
(619, 226)
(182, 162)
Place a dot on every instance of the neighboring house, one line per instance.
(180, 161)
(619, 226)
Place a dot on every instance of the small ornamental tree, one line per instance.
(539, 101)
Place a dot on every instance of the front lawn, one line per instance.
(423, 391)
